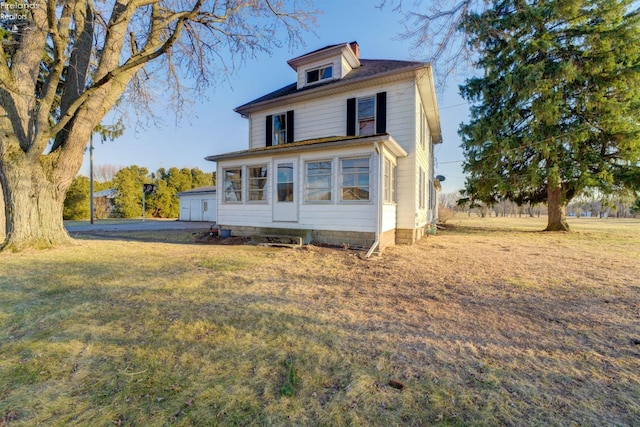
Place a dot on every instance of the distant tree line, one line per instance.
(593, 204)
(126, 198)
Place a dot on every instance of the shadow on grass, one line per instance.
(175, 237)
(92, 343)
(498, 228)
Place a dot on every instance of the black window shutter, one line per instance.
(351, 117)
(381, 112)
(290, 126)
(269, 131)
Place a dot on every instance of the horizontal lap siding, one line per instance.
(422, 161)
(326, 116)
(346, 216)
(402, 126)
(338, 217)
(248, 213)
(388, 217)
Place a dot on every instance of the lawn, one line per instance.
(489, 322)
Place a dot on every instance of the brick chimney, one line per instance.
(355, 48)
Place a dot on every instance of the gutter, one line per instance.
(376, 243)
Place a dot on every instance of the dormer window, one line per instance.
(319, 74)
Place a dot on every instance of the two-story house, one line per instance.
(342, 156)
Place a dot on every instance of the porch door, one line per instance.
(285, 203)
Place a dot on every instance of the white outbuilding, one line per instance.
(198, 204)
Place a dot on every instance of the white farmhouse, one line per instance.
(342, 156)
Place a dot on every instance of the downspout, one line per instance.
(376, 243)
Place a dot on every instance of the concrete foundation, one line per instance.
(353, 239)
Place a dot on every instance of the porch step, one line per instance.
(280, 241)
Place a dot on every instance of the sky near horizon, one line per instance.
(212, 127)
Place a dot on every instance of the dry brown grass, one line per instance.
(487, 323)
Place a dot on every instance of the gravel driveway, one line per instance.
(139, 225)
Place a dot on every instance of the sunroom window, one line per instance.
(318, 184)
(257, 183)
(389, 182)
(355, 179)
(233, 185)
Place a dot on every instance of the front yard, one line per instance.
(488, 323)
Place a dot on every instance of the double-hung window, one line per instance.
(233, 185)
(279, 129)
(421, 189)
(367, 116)
(318, 181)
(389, 181)
(257, 183)
(355, 179)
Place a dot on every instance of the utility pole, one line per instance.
(91, 177)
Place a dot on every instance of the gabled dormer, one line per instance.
(329, 63)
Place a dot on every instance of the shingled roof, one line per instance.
(369, 68)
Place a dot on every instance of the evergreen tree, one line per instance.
(200, 179)
(163, 203)
(558, 105)
(76, 204)
(128, 184)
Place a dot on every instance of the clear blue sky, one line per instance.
(212, 127)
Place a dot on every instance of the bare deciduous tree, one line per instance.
(106, 172)
(433, 28)
(71, 61)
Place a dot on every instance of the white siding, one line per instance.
(335, 215)
(325, 116)
(346, 67)
(388, 217)
(335, 62)
(192, 207)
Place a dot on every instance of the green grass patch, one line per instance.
(291, 379)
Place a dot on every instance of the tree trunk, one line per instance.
(32, 207)
(557, 220)
(2, 217)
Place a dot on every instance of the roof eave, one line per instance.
(387, 139)
(246, 109)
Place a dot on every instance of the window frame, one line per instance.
(225, 187)
(329, 175)
(320, 70)
(423, 128)
(389, 180)
(279, 136)
(251, 179)
(421, 189)
(341, 173)
(371, 119)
